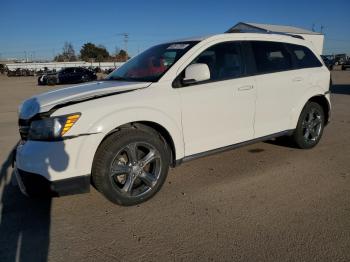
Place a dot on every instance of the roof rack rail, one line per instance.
(262, 32)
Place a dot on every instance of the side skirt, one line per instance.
(234, 146)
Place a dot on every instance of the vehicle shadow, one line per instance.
(340, 89)
(24, 222)
(283, 141)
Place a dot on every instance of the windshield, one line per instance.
(152, 64)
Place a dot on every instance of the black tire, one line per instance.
(309, 129)
(114, 155)
(51, 81)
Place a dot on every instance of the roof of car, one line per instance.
(243, 35)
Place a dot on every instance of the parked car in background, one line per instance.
(45, 71)
(109, 70)
(174, 102)
(346, 64)
(3, 69)
(69, 75)
(340, 59)
(328, 61)
(20, 72)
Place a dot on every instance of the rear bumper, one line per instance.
(36, 185)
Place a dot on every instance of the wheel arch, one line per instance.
(318, 98)
(100, 123)
(324, 103)
(153, 126)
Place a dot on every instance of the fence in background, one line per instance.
(60, 65)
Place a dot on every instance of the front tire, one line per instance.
(131, 165)
(310, 126)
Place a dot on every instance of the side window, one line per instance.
(271, 57)
(224, 61)
(303, 56)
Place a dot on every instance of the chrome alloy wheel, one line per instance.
(312, 126)
(136, 169)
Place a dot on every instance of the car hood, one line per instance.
(46, 101)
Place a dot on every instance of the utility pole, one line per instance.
(126, 39)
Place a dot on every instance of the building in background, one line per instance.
(315, 38)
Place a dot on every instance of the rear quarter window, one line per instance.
(303, 56)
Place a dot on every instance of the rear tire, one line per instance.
(310, 126)
(131, 165)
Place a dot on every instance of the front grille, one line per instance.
(24, 126)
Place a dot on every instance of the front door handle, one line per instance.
(244, 88)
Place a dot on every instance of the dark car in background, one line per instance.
(346, 64)
(69, 75)
(340, 59)
(328, 61)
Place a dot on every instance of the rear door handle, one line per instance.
(244, 88)
(297, 79)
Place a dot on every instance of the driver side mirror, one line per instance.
(196, 73)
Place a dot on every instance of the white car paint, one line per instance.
(198, 119)
(216, 114)
(46, 101)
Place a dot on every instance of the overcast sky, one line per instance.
(40, 28)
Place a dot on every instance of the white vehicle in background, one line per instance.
(172, 103)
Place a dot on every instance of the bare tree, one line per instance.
(68, 53)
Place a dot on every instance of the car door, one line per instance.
(218, 112)
(307, 73)
(65, 75)
(274, 84)
(76, 75)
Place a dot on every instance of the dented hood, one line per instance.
(46, 101)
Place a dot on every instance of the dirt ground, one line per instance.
(264, 202)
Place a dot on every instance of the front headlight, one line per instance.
(52, 128)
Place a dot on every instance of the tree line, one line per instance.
(90, 52)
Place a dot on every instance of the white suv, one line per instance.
(172, 103)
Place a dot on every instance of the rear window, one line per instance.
(304, 57)
(271, 57)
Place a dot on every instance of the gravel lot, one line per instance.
(264, 202)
